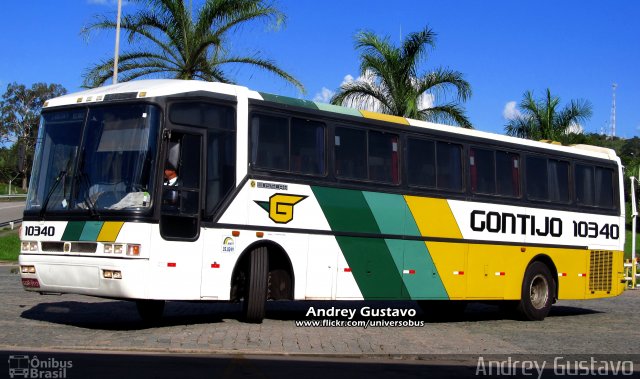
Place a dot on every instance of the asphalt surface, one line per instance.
(11, 210)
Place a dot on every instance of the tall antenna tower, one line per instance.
(613, 111)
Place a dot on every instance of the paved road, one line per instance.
(11, 210)
(31, 322)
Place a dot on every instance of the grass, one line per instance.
(9, 246)
(15, 189)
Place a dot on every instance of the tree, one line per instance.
(541, 119)
(19, 119)
(391, 83)
(175, 44)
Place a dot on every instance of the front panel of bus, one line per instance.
(101, 220)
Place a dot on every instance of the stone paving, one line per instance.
(31, 321)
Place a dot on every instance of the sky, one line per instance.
(577, 49)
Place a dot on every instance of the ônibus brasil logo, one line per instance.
(25, 366)
(280, 206)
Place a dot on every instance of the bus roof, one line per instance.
(164, 87)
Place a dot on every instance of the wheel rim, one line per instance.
(539, 291)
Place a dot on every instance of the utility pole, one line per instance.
(117, 52)
(613, 111)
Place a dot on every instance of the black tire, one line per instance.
(150, 310)
(255, 298)
(538, 292)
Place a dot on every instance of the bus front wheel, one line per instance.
(255, 297)
(538, 291)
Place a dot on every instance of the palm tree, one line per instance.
(540, 119)
(390, 82)
(181, 46)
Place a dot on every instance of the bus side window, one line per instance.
(383, 157)
(307, 147)
(449, 163)
(270, 142)
(594, 186)
(508, 174)
(421, 162)
(351, 153)
(482, 169)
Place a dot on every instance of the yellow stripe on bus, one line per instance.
(384, 117)
(433, 217)
(110, 231)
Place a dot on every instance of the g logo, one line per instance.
(280, 206)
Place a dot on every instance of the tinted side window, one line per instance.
(449, 164)
(604, 187)
(537, 178)
(558, 181)
(203, 114)
(421, 162)
(351, 153)
(482, 169)
(547, 179)
(594, 186)
(584, 184)
(383, 157)
(270, 142)
(508, 174)
(307, 147)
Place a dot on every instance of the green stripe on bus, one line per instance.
(338, 109)
(73, 231)
(288, 100)
(393, 216)
(346, 210)
(374, 267)
(91, 230)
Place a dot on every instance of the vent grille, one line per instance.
(600, 271)
(53, 247)
(71, 247)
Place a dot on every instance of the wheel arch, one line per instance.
(281, 274)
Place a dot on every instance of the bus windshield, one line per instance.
(95, 159)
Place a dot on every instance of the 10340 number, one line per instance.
(47, 231)
(593, 230)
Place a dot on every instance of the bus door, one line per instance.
(181, 196)
(178, 253)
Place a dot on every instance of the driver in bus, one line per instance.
(170, 175)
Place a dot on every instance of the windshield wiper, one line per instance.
(91, 206)
(61, 175)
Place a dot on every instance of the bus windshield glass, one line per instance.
(96, 159)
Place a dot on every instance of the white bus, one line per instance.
(279, 198)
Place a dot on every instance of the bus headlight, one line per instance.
(29, 246)
(117, 248)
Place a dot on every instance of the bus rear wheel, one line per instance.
(538, 291)
(255, 298)
(150, 310)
